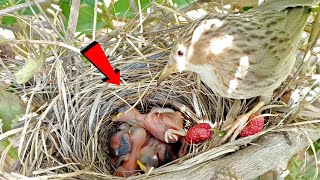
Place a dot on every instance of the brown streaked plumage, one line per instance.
(241, 56)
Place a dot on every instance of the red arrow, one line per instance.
(95, 54)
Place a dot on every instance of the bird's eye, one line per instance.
(180, 53)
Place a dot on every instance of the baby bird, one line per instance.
(129, 167)
(155, 153)
(120, 143)
(163, 123)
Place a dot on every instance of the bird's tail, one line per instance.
(296, 20)
(284, 4)
(297, 13)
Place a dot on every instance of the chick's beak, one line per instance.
(168, 69)
(142, 167)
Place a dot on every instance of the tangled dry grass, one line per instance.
(67, 124)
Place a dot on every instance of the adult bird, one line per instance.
(241, 56)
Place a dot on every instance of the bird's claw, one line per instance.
(243, 119)
(169, 134)
(235, 129)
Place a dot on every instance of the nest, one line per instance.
(66, 132)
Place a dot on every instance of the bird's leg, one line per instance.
(240, 122)
(172, 134)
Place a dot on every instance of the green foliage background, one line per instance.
(120, 9)
(115, 10)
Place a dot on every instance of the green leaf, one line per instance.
(29, 12)
(85, 20)
(90, 3)
(86, 15)
(218, 132)
(12, 152)
(10, 109)
(295, 166)
(316, 9)
(123, 9)
(65, 7)
(316, 145)
(3, 3)
(8, 20)
(244, 9)
(182, 3)
(309, 173)
(297, 172)
(31, 67)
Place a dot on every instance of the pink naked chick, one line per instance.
(163, 123)
(129, 167)
(120, 143)
(154, 154)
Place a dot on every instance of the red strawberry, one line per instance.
(254, 126)
(198, 132)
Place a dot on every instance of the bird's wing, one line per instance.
(284, 4)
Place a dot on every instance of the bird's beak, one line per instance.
(142, 167)
(168, 69)
(115, 118)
